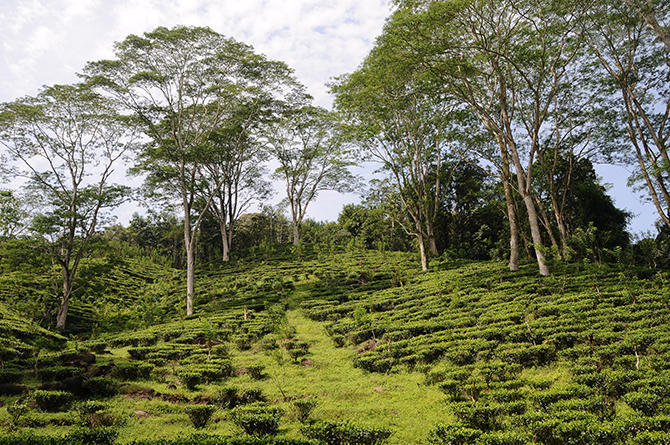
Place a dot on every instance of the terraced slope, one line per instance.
(362, 348)
(581, 357)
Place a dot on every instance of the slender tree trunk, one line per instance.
(522, 180)
(535, 234)
(560, 223)
(422, 252)
(225, 246)
(511, 215)
(547, 225)
(633, 131)
(190, 277)
(432, 243)
(231, 227)
(296, 233)
(61, 318)
(189, 245)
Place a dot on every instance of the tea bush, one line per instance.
(257, 420)
(344, 433)
(52, 400)
(200, 414)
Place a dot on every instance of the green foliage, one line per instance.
(453, 435)
(191, 379)
(100, 387)
(643, 402)
(229, 397)
(132, 371)
(257, 420)
(98, 436)
(304, 408)
(16, 410)
(256, 372)
(200, 414)
(342, 433)
(10, 375)
(204, 439)
(58, 373)
(52, 400)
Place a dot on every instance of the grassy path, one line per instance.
(400, 400)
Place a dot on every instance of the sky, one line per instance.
(48, 41)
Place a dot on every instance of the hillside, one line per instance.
(356, 348)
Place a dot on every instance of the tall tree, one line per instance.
(234, 166)
(400, 120)
(312, 158)
(637, 65)
(177, 82)
(508, 60)
(65, 143)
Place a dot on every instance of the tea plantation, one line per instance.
(356, 348)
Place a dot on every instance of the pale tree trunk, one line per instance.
(511, 213)
(422, 252)
(189, 244)
(522, 181)
(190, 277)
(296, 233)
(225, 246)
(230, 237)
(432, 244)
(61, 318)
(535, 234)
(560, 223)
(547, 225)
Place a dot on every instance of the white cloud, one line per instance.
(48, 41)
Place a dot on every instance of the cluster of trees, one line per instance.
(485, 117)
(197, 112)
(529, 91)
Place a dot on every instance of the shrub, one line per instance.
(37, 419)
(125, 371)
(100, 387)
(344, 433)
(86, 436)
(230, 396)
(220, 351)
(645, 403)
(191, 379)
(453, 435)
(139, 353)
(511, 437)
(557, 431)
(303, 409)
(256, 372)
(90, 407)
(259, 420)
(483, 416)
(92, 415)
(16, 410)
(9, 375)
(200, 414)
(29, 438)
(52, 400)
(58, 373)
(652, 438)
(98, 347)
(206, 439)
